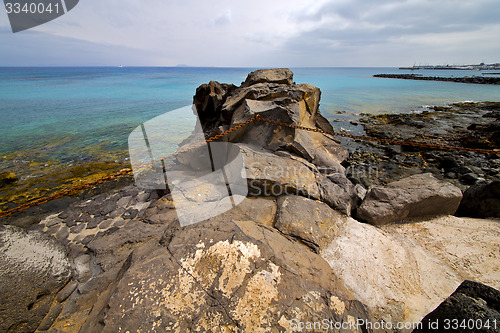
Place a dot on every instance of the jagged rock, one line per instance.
(481, 200)
(415, 196)
(404, 271)
(321, 149)
(33, 268)
(279, 75)
(312, 222)
(279, 93)
(261, 210)
(271, 94)
(209, 99)
(359, 194)
(295, 105)
(473, 307)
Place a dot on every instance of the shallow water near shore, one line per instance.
(64, 110)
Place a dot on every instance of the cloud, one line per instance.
(225, 17)
(271, 33)
(351, 28)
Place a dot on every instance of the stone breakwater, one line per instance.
(310, 244)
(474, 79)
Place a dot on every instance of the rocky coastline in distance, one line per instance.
(465, 79)
(360, 240)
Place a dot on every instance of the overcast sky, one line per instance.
(261, 33)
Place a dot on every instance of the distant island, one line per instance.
(480, 67)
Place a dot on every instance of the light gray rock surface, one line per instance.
(33, 268)
(229, 275)
(415, 196)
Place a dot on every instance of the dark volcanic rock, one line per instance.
(471, 125)
(473, 307)
(112, 248)
(481, 200)
(469, 178)
(209, 99)
(272, 95)
(279, 75)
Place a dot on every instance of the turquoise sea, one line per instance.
(65, 110)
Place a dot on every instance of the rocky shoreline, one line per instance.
(469, 124)
(324, 235)
(473, 79)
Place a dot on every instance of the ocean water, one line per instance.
(64, 111)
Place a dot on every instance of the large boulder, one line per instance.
(473, 307)
(310, 221)
(415, 196)
(271, 175)
(272, 95)
(281, 173)
(278, 75)
(33, 269)
(481, 200)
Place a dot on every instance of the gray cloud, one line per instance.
(265, 33)
(349, 27)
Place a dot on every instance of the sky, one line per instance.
(260, 33)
